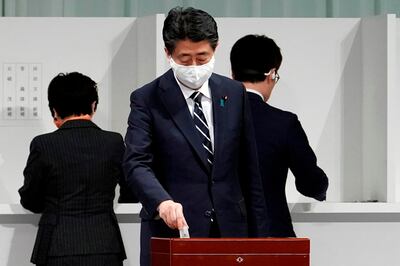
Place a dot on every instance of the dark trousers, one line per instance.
(214, 229)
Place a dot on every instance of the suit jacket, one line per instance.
(164, 159)
(70, 178)
(282, 144)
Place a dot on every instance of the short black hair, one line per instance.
(72, 94)
(189, 23)
(252, 56)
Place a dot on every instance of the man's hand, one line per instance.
(172, 214)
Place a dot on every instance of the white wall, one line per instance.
(352, 243)
(17, 240)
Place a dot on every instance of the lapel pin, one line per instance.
(223, 100)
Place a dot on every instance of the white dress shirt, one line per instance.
(206, 104)
(256, 92)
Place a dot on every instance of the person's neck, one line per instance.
(78, 117)
(60, 122)
(259, 87)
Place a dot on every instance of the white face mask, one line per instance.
(193, 77)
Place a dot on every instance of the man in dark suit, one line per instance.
(190, 156)
(70, 178)
(281, 141)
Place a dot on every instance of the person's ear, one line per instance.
(56, 119)
(167, 53)
(94, 107)
(271, 75)
(55, 115)
(216, 46)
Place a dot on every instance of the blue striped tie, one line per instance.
(202, 127)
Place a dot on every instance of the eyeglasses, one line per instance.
(277, 77)
(274, 75)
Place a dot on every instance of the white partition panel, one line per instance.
(124, 76)
(337, 75)
(374, 107)
(335, 78)
(321, 59)
(32, 52)
(393, 111)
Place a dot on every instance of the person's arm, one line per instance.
(32, 191)
(311, 181)
(125, 195)
(253, 189)
(138, 167)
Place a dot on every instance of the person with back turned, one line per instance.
(70, 178)
(281, 141)
(190, 152)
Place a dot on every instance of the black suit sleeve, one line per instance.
(125, 195)
(311, 180)
(32, 192)
(251, 179)
(138, 159)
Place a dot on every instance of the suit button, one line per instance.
(207, 213)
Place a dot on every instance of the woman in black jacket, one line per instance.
(70, 178)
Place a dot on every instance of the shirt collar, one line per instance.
(256, 92)
(187, 92)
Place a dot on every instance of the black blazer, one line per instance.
(282, 144)
(70, 178)
(165, 159)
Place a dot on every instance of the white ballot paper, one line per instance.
(184, 232)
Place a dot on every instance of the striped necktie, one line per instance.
(202, 127)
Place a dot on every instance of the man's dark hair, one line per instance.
(189, 23)
(252, 56)
(72, 94)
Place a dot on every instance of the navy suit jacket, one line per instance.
(282, 144)
(70, 178)
(165, 160)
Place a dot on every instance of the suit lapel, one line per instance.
(218, 95)
(176, 105)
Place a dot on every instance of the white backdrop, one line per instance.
(337, 76)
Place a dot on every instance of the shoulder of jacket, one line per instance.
(225, 80)
(282, 113)
(111, 134)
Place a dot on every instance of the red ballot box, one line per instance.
(230, 251)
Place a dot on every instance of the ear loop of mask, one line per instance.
(273, 75)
